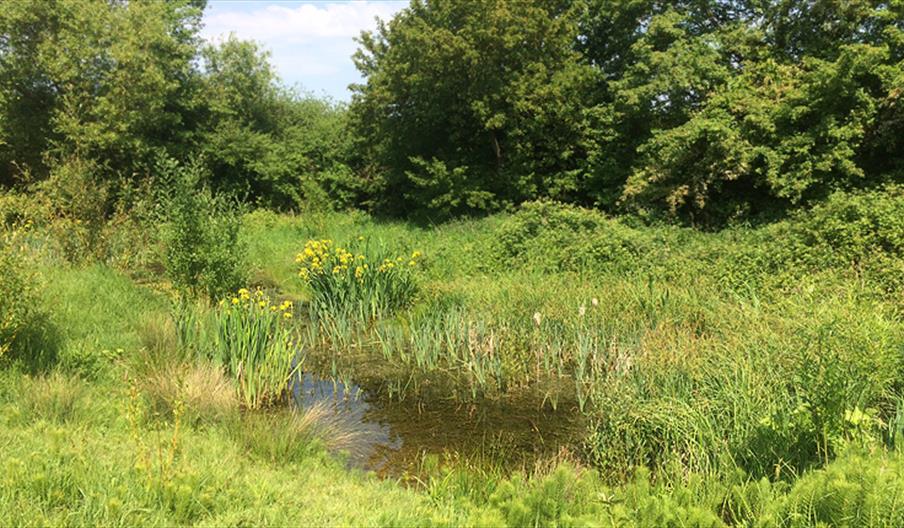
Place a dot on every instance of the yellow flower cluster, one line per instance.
(389, 264)
(258, 300)
(324, 258)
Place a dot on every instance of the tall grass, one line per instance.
(251, 337)
(708, 352)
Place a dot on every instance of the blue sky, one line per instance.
(311, 42)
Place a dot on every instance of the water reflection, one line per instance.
(392, 436)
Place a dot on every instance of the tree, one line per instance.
(100, 80)
(713, 110)
(468, 106)
(259, 139)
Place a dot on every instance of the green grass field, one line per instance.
(716, 379)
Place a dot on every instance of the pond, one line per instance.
(394, 436)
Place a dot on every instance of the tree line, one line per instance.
(703, 111)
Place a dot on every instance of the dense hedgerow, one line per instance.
(863, 231)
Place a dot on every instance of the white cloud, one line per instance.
(301, 23)
(311, 42)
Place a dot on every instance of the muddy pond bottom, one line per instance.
(395, 438)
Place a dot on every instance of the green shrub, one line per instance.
(77, 202)
(861, 230)
(26, 333)
(204, 255)
(554, 237)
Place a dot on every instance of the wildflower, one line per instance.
(336, 270)
(235, 300)
(595, 302)
(582, 310)
(415, 254)
(537, 319)
(359, 272)
(360, 239)
(287, 315)
(261, 304)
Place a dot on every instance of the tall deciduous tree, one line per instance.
(468, 106)
(94, 79)
(712, 110)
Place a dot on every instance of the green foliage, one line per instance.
(241, 138)
(356, 282)
(102, 90)
(26, 333)
(204, 255)
(731, 118)
(99, 81)
(712, 394)
(857, 490)
(250, 338)
(512, 128)
(862, 230)
(706, 112)
(552, 237)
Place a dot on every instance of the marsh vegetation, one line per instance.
(644, 266)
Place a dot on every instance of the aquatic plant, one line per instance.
(254, 343)
(250, 337)
(361, 282)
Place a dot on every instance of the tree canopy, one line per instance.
(702, 111)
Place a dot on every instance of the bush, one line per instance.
(204, 255)
(862, 230)
(553, 237)
(26, 335)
